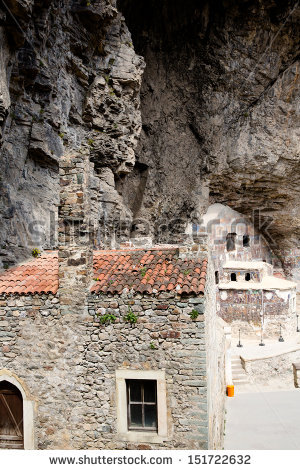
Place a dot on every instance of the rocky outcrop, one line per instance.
(219, 103)
(220, 112)
(69, 84)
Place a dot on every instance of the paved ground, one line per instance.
(252, 350)
(258, 418)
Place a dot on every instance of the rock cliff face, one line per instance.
(69, 84)
(219, 114)
(220, 111)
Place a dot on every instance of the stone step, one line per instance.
(235, 366)
(240, 381)
(239, 375)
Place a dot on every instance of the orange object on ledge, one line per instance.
(230, 390)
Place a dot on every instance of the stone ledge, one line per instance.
(267, 354)
(142, 437)
(296, 374)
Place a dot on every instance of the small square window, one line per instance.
(141, 399)
(142, 405)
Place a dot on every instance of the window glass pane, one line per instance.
(150, 391)
(136, 415)
(150, 416)
(135, 390)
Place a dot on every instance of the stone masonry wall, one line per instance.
(43, 350)
(75, 234)
(180, 348)
(68, 363)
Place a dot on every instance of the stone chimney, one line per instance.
(75, 233)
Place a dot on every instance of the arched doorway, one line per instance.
(11, 417)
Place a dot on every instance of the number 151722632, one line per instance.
(215, 459)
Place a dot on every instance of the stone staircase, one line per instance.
(239, 375)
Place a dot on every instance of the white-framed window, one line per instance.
(141, 405)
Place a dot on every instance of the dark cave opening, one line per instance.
(165, 25)
(170, 35)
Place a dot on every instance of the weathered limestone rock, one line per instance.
(69, 84)
(220, 114)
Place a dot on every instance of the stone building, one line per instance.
(138, 368)
(232, 236)
(117, 349)
(251, 297)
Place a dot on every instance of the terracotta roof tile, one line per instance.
(114, 270)
(148, 270)
(37, 275)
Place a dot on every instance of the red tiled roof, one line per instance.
(146, 270)
(142, 270)
(35, 276)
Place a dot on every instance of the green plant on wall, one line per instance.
(143, 272)
(130, 317)
(152, 345)
(107, 318)
(194, 314)
(35, 252)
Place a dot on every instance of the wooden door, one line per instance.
(11, 417)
